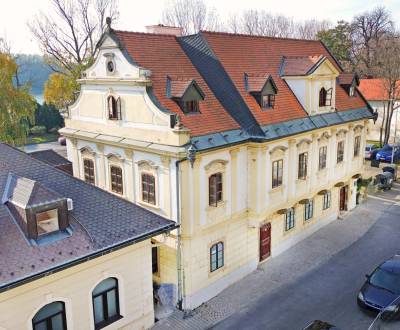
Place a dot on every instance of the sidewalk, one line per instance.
(285, 268)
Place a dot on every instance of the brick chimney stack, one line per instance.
(163, 29)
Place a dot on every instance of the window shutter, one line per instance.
(119, 115)
(110, 107)
(328, 100)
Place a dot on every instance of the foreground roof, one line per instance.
(99, 220)
(218, 62)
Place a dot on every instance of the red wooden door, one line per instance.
(343, 198)
(265, 241)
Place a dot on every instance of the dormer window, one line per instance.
(268, 101)
(47, 222)
(262, 89)
(114, 108)
(349, 81)
(325, 97)
(186, 93)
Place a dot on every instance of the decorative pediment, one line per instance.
(114, 157)
(278, 150)
(216, 164)
(303, 143)
(147, 165)
(358, 128)
(324, 136)
(341, 133)
(88, 151)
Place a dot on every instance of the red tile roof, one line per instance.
(299, 65)
(346, 78)
(179, 86)
(374, 89)
(238, 54)
(164, 57)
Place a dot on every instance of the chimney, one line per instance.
(163, 29)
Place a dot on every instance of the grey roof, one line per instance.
(50, 157)
(280, 130)
(218, 80)
(100, 221)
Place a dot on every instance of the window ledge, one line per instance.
(278, 189)
(341, 164)
(287, 232)
(299, 181)
(152, 206)
(108, 322)
(220, 205)
(217, 271)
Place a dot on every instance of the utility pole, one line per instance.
(395, 135)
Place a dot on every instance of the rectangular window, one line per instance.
(289, 219)
(88, 169)
(267, 101)
(322, 157)
(303, 158)
(116, 180)
(277, 173)
(47, 222)
(308, 210)
(215, 189)
(191, 106)
(216, 256)
(340, 151)
(148, 189)
(357, 143)
(154, 259)
(327, 200)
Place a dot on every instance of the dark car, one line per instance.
(385, 154)
(320, 325)
(382, 288)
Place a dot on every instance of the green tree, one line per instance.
(16, 104)
(48, 116)
(339, 43)
(59, 89)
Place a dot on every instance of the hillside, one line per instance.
(33, 70)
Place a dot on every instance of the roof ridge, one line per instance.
(258, 36)
(145, 33)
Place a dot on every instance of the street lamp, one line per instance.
(395, 135)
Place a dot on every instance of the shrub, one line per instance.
(38, 130)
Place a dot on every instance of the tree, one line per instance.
(16, 104)
(60, 89)
(339, 43)
(68, 37)
(388, 69)
(367, 31)
(48, 116)
(191, 15)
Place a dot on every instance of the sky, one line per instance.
(136, 14)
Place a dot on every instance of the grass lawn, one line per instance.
(40, 138)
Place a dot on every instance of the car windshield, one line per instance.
(387, 148)
(386, 280)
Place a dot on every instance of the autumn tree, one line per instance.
(16, 104)
(67, 35)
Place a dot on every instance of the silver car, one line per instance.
(369, 151)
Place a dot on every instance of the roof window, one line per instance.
(186, 93)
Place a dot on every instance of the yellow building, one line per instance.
(72, 256)
(249, 143)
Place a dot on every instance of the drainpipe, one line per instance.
(191, 157)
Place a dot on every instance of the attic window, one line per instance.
(114, 108)
(191, 106)
(47, 222)
(186, 93)
(268, 101)
(325, 97)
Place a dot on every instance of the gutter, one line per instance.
(180, 270)
(89, 257)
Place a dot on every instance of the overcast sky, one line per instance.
(136, 14)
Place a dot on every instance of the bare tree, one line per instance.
(388, 69)
(69, 33)
(309, 29)
(191, 15)
(367, 30)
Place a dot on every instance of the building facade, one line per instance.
(249, 143)
(375, 92)
(73, 256)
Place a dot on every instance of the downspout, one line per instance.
(191, 156)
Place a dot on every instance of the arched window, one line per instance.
(105, 303)
(50, 317)
(148, 188)
(114, 108)
(215, 189)
(322, 97)
(216, 256)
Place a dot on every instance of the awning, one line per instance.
(322, 192)
(356, 176)
(304, 201)
(339, 184)
(282, 211)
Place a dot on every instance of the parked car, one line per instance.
(320, 325)
(385, 154)
(370, 151)
(382, 288)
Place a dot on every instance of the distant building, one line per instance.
(72, 256)
(376, 94)
(249, 143)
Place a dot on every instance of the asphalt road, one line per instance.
(328, 292)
